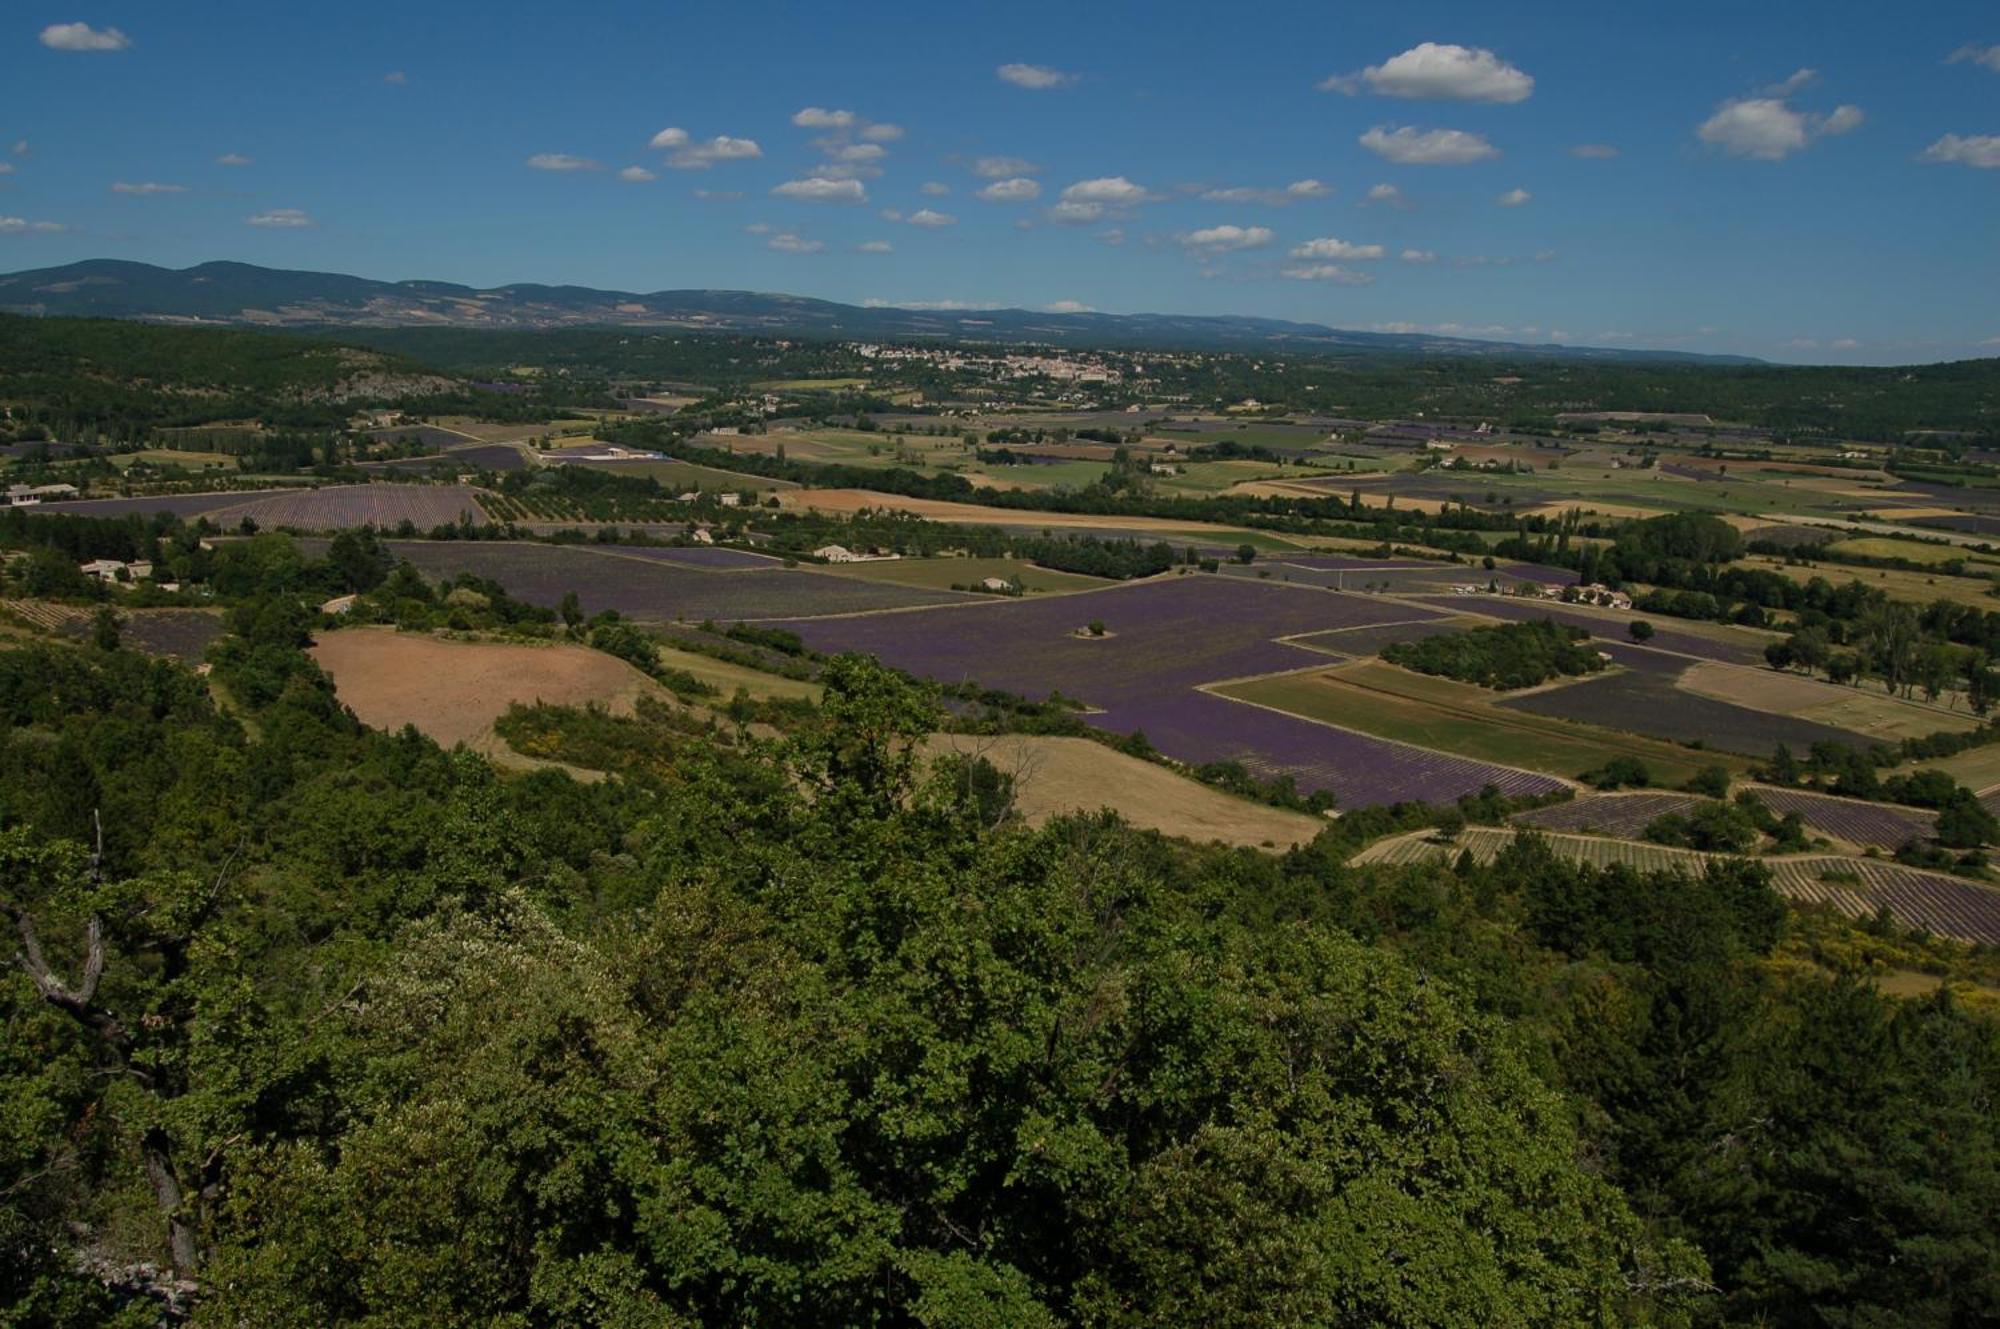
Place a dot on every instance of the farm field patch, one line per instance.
(943, 573)
(1625, 816)
(1882, 546)
(1650, 703)
(1164, 640)
(846, 502)
(1864, 711)
(655, 589)
(185, 460)
(1055, 775)
(1392, 703)
(335, 507)
(726, 678)
(1919, 588)
(1851, 819)
(453, 691)
(184, 634)
(712, 557)
(687, 475)
(1705, 641)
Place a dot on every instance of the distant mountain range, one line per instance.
(242, 293)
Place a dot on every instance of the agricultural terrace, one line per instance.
(1857, 887)
(1624, 815)
(649, 587)
(1851, 819)
(1163, 641)
(1056, 775)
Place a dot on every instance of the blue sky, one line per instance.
(1798, 181)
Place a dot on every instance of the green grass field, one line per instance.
(684, 474)
(726, 678)
(1379, 699)
(185, 460)
(809, 384)
(942, 574)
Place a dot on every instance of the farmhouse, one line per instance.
(21, 496)
(731, 499)
(995, 584)
(112, 570)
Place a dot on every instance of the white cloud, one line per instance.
(1844, 344)
(562, 161)
(1332, 272)
(147, 187)
(1072, 213)
(882, 133)
(1419, 256)
(816, 117)
(396, 77)
(1409, 146)
(1276, 198)
(1986, 57)
(856, 152)
(934, 189)
(1227, 239)
(818, 190)
(1113, 191)
(1980, 150)
(1769, 129)
(232, 159)
(1593, 151)
(283, 219)
(1388, 195)
(875, 247)
(687, 154)
(787, 243)
(1802, 79)
(1018, 190)
(637, 174)
(1113, 236)
(1070, 307)
(83, 37)
(20, 147)
(1330, 247)
(933, 220)
(844, 171)
(6, 168)
(999, 168)
(759, 228)
(1437, 71)
(22, 226)
(1036, 78)
(1513, 198)
(718, 195)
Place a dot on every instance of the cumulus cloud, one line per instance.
(818, 117)
(1035, 78)
(1513, 198)
(1986, 57)
(1227, 239)
(1418, 256)
(1112, 235)
(1387, 195)
(785, 242)
(280, 219)
(926, 217)
(1071, 212)
(83, 37)
(1980, 150)
(816, 189)
(1798, 81)
(22, 226)
(875, 247)
(856, 152)
(396, 77)
(719, 195)
(1018, 190)
(1112, 191)
(999, 168)
(1593, 151)
(637, 174)
(1331, 272)
(232, 159)
(1435, 71)
(686, 153)
(1331, 247)
(1276, 198)
(1769, 128)
(1409, 146)
(881, 133)
(147, 187)
(562, 161)
(934, 189)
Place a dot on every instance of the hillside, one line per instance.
(244, 293)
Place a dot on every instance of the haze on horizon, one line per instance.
(1790, 182)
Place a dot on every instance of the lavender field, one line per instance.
(698, 556)
(1851, 819)
(1749, 650)
(1165, 639)
(335, 507)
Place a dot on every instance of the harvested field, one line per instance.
(1055, 775)
(1859, 710)
(727, 677)
(846, 502)
(1857, 887)
(1165, 639)
(1650, 703)
(454, 690)
(1851, 819)
(1625, 816)
(651, 588)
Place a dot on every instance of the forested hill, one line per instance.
(243, 292)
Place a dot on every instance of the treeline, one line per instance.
(1510, 655)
